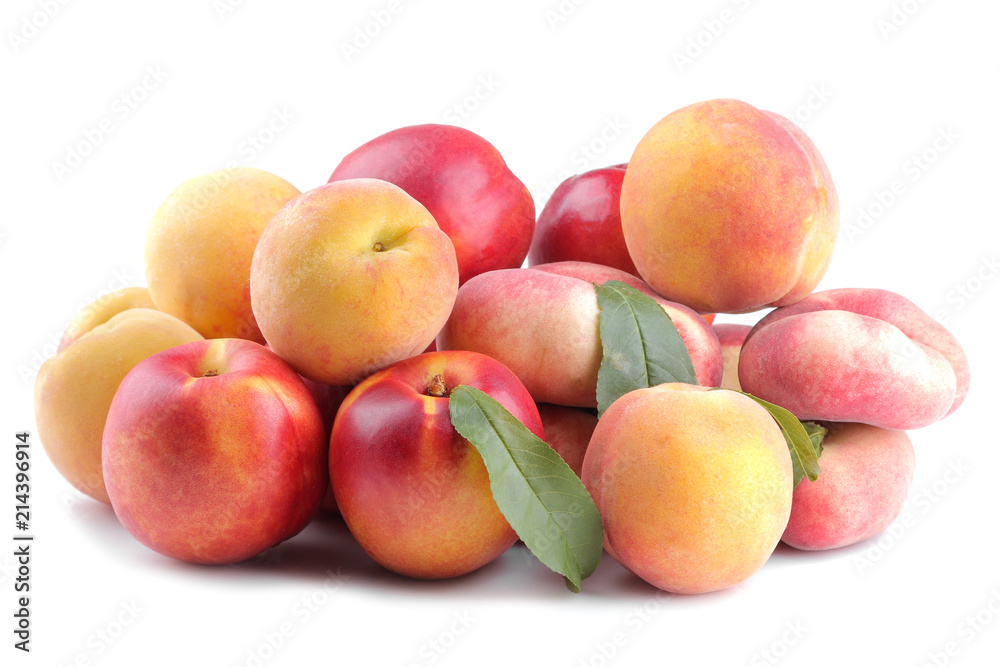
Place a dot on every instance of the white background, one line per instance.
(880, 98)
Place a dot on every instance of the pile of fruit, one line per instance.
(372, 346)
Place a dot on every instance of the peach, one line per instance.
(727, 208)
(74, 388)
(856, 355)
(462, 179)
(214, 451)
(867, 473)
(568, 431)
(414, 492)
(731, 337)
(351, 277)
(694, 486)
(200, 243)
(542, 323)
(103, 309)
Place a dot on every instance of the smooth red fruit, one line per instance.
(582, 222)
(416, 494)
(214, 451)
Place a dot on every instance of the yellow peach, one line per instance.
(200, 244)
(74, 389)
(727, 208)
(351, 277)
(103, 309)
(694, 485)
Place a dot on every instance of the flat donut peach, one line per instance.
(856, 355)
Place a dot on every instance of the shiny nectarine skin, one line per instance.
(214, 451)
(415, 493)
(582, 222)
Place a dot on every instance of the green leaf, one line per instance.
(543, 500)
(804, 443)
(641, 345)
(816, 433)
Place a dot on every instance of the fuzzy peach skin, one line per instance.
(727, 208)
(351, 277)
(856, 355)
(414, 492)
(867, 474)
(74, 388)
(568, 432)
(694, 486)
(462, 179)
(200, 244)
(542, 323)
(731, 337)
(214, 451)
(103, 309)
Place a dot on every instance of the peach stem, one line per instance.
(437, 387)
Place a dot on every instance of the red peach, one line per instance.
(542, 323)
(856, 355)
(867, 473)
(414, 493)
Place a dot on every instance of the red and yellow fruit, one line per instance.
(415, 493)
(485, 210)
(214, 451)
(542, 323)
(694, 486)
(727, 208)
(351, 277)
